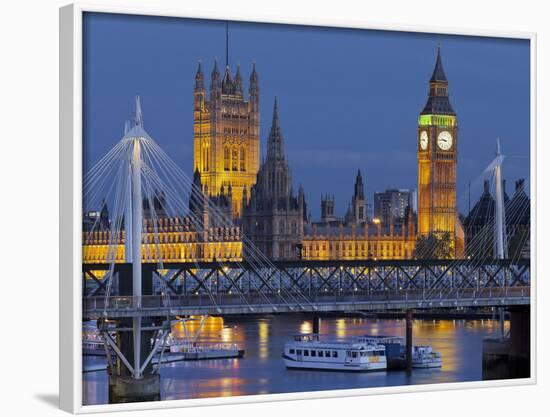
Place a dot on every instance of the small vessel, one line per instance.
(189, 348)
(93, 348)
(424, 357)
(307, 351)
(395, 349)
(92, 341)
(197, 351)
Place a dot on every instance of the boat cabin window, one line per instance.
(306, 352)
(313, 353)
(334, 354)
(320, 353)
(291, 351)
(353, 354)
(327, 353)
(298, 351)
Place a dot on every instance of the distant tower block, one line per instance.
(227, 133)
(437, 155)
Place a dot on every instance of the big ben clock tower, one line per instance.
(437, 156)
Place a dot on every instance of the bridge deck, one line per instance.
(228, 304)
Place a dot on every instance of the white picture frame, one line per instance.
(70, 261)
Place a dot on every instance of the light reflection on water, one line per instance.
(262, 371)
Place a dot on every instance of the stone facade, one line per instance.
(227, 133)
(273, 218)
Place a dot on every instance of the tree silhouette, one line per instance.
(434, 246)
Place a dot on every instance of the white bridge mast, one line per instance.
(500, 217)
(137, 220)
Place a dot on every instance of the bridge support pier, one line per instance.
(125, 389)
(123, 386)
(315, 323)
(509, 357)
(409, 340)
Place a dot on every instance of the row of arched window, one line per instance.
(315, 250)
(234, 158)
(169, 252)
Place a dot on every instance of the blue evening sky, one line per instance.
(348, 99)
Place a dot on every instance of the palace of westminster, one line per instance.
(258, 197)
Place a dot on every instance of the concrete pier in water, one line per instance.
(508, 357)
(123, 386)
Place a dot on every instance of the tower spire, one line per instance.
(275, 140)
(438, 97)
(438, 74)
(359, 192)
(275, 122)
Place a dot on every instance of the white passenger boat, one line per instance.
(189, 348)
(197, 351)
(424, 357)
(309, 352)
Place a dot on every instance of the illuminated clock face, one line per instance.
(445, 140)
(423, 140)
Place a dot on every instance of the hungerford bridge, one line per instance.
(309, 286)
(135, 302)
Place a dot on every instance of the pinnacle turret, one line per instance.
(254, 81)
(199, 78)
(228, 87)
(238, 81)
(215, 76)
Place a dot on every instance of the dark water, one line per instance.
(262, 371)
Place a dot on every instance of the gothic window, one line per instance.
(242, 159)
(234, 159)
(294, 230)
(226, 158)
(206, 158)
(282, 227)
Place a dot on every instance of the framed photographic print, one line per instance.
(255, 210)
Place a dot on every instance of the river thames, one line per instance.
(262, 371)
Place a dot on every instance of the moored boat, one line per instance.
(199, 351)
(189, 348)
(309, 352)
(425, 357)
(422, 355)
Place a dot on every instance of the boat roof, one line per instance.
(310, 339)
(334, 345)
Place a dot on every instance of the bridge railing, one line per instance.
(163, 303)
